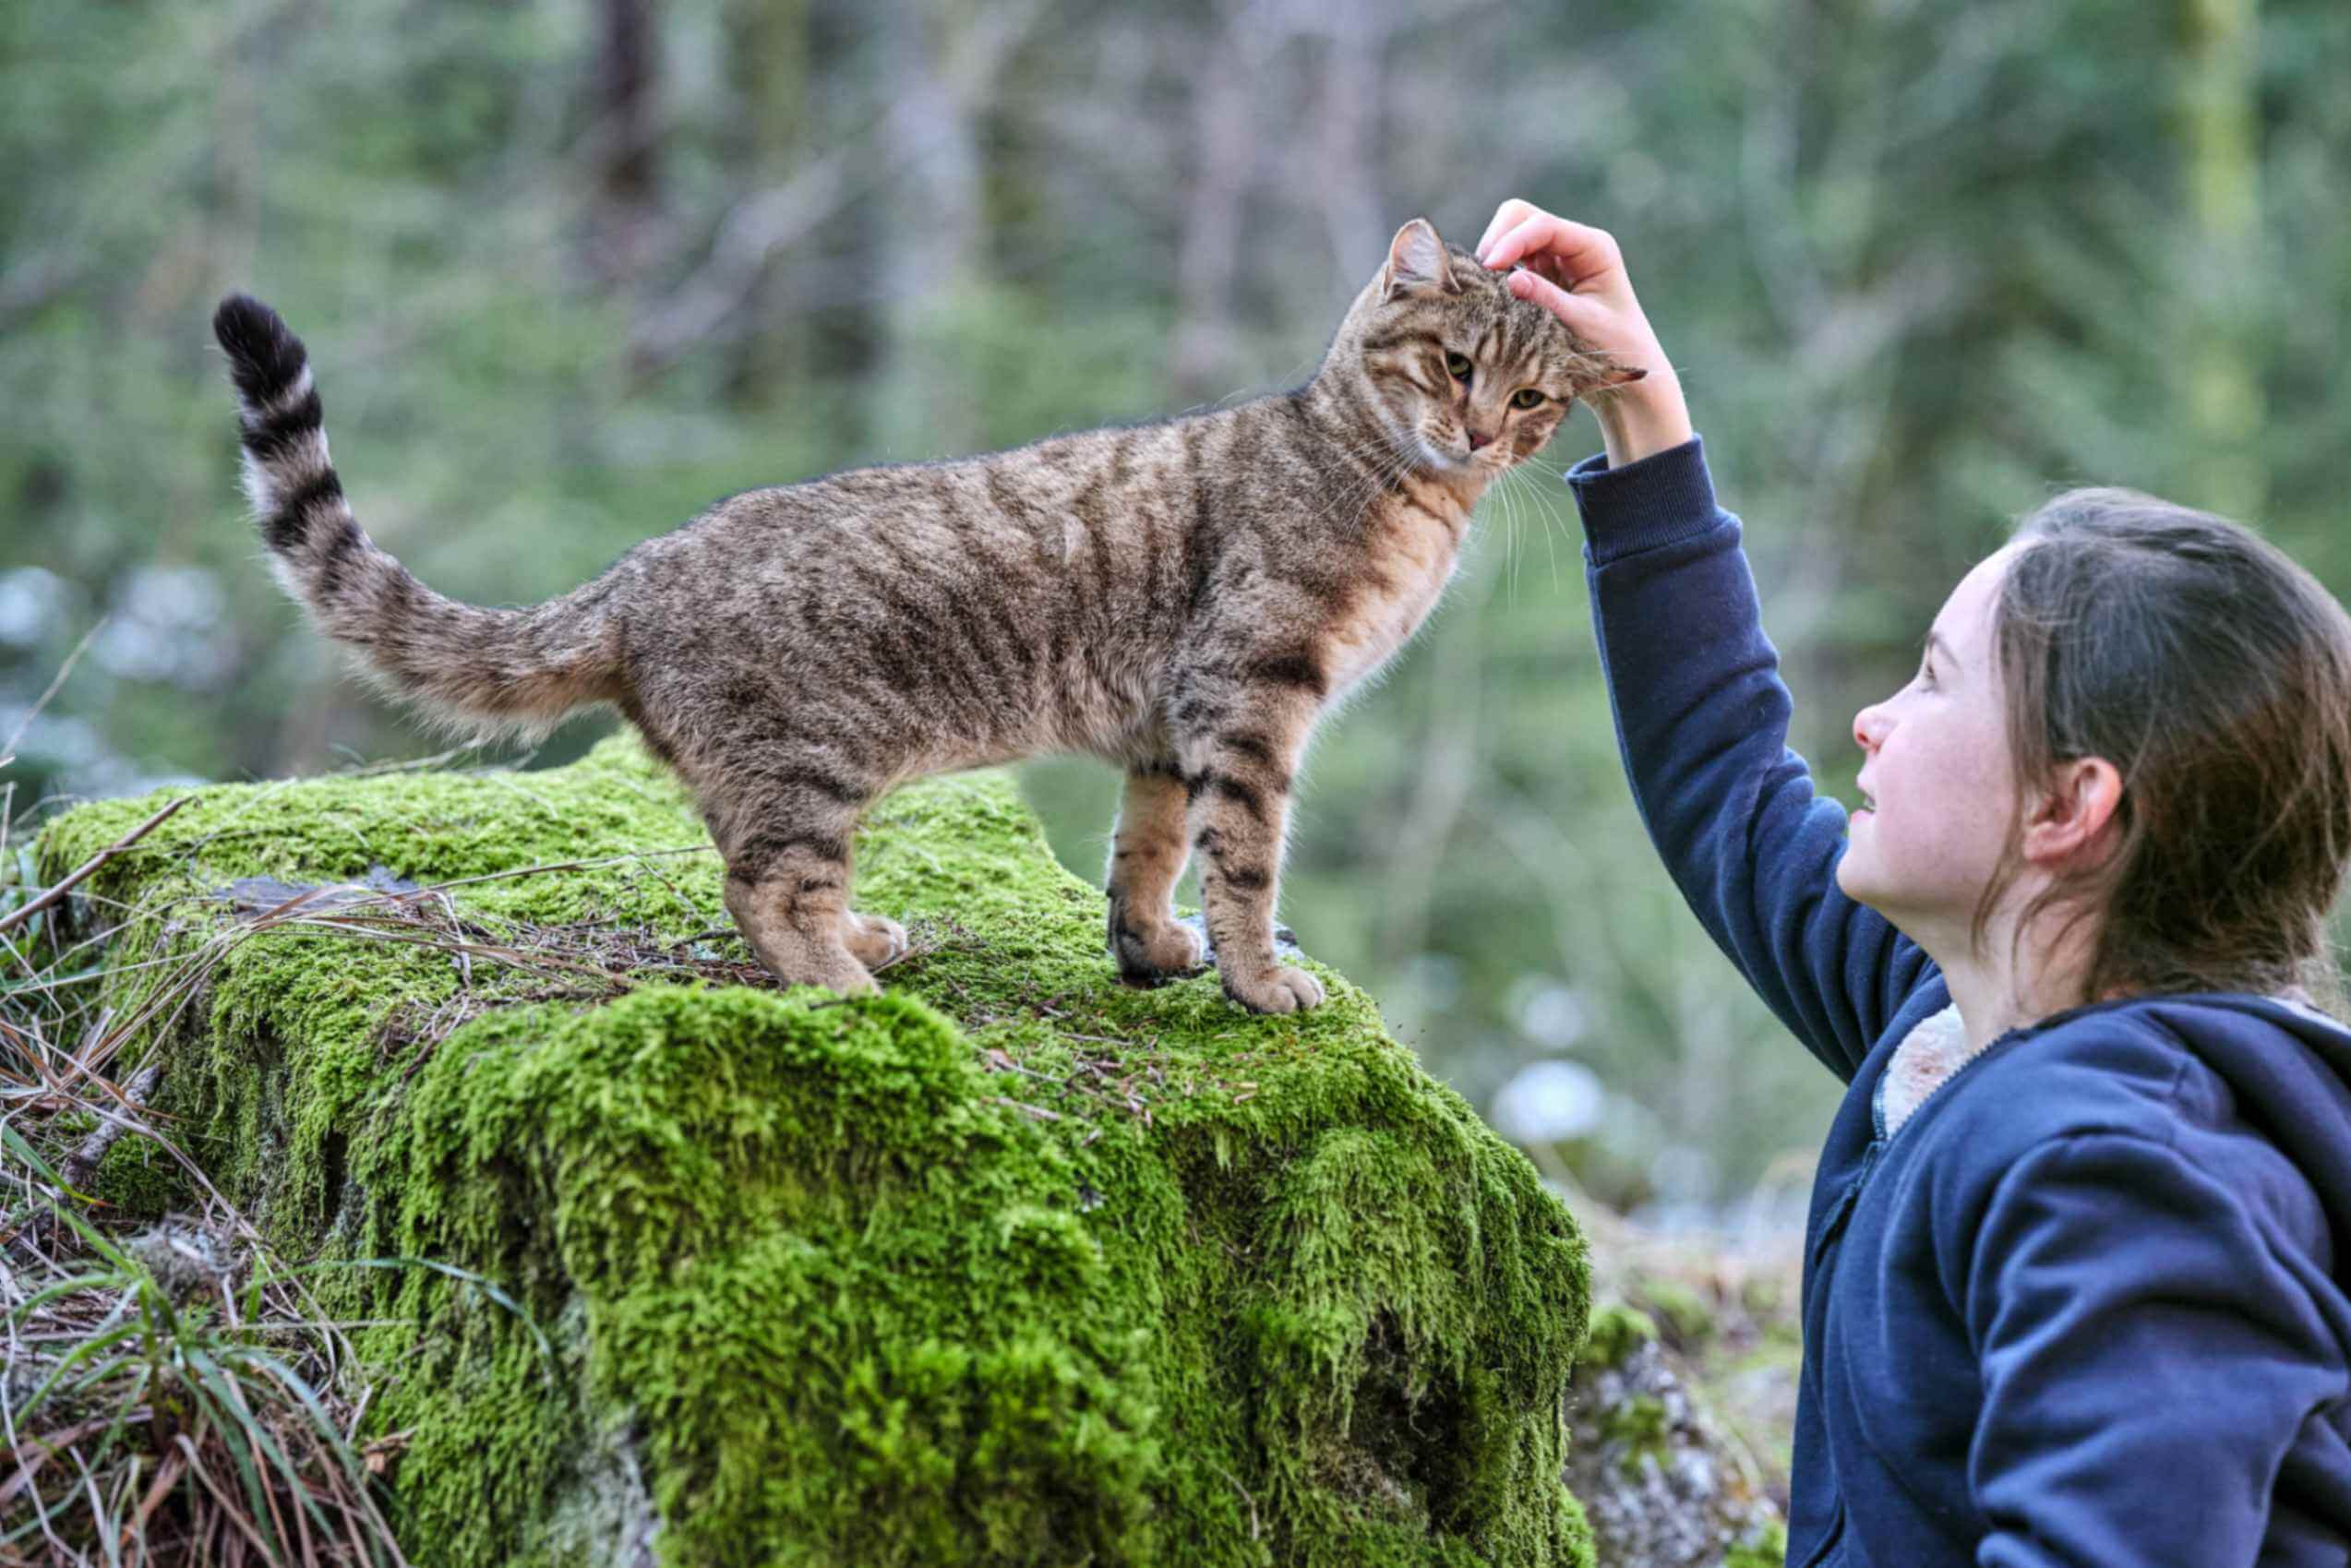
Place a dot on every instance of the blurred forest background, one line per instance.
(572, 269)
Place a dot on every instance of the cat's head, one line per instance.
(1470, 378)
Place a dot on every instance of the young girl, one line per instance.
(2074, 1283)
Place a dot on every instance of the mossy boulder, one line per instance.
(1009, 1264)
(1666, 1487)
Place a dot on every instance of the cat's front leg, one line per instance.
(1236, 776)
(1146, 857)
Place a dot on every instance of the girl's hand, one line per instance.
(1575, 272)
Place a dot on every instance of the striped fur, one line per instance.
(1182, 599)
(479, 670)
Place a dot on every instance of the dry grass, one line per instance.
(171, 1394)
(174, 1394)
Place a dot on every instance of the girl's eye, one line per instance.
(1526, 397)
(1457, 367)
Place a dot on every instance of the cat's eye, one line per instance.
(1526, 397)
(1457, 367)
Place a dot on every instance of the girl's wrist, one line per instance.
(1643, 418)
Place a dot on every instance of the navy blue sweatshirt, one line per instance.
(2083, 1305)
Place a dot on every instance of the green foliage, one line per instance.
(1768, 1550)
(1683, 1309)
(1639, 1424)
(1008, 1265)
(1616, 1332)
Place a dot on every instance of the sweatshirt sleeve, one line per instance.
(1702, 724)
(2149, 1361)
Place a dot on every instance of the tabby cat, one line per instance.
(1182, 599)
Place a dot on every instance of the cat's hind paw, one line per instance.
(1149, 955)
(875, 940)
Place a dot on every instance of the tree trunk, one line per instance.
(2220, 132)
(622, 227)
(773, 45)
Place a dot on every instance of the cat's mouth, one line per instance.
(1449, 462)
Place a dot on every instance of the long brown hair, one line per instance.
(2215, 675)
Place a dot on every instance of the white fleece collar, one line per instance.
(1936, 1046)
(1934, 1049)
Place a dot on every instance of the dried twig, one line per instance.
(19, 915)
(82, 1164)
(8, 749)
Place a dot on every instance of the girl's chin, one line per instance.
(1853, 873)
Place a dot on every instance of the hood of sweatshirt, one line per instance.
(2289, 1067)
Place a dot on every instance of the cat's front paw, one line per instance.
(1152, 953)
(1279, 990)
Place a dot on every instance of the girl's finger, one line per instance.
(1544, 266)
(1581, 251)
(1507, 216)
(1587, 317)
(1529, 235)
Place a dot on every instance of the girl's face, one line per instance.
(1938, 794)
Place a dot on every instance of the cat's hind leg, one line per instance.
(1146, 857)
(782, 804)
(787, 887)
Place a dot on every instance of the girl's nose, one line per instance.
(1869, 729)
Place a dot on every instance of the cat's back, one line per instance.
(1072, 502)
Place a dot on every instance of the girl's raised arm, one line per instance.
(1701, 713)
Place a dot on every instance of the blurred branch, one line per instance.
(1226, 85)
(1346, 120)
(755, 228)
(627, 150)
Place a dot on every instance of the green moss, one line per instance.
(139, 1180)
(1010, 1265)
(1768, 1550)
(1639, 1425)
(1684, 1311)
(1616, 1329)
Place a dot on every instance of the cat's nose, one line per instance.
(1477, 440)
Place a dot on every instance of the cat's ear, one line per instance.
(1600, 373)
(1415, 259)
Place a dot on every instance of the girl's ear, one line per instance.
(2073, 813)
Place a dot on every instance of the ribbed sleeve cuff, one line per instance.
(1664, 497)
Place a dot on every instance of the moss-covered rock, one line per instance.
(1616, 1332)
(1009, 1264)
(1665, 1487)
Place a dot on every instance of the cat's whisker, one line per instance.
(1387, 460)
(1519, 527)
(1550, 491)
(1510, 546)
(1501, 493)
(1540, 506)
(1399, 459)
(1554, 523)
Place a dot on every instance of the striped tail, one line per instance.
(479, 670)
